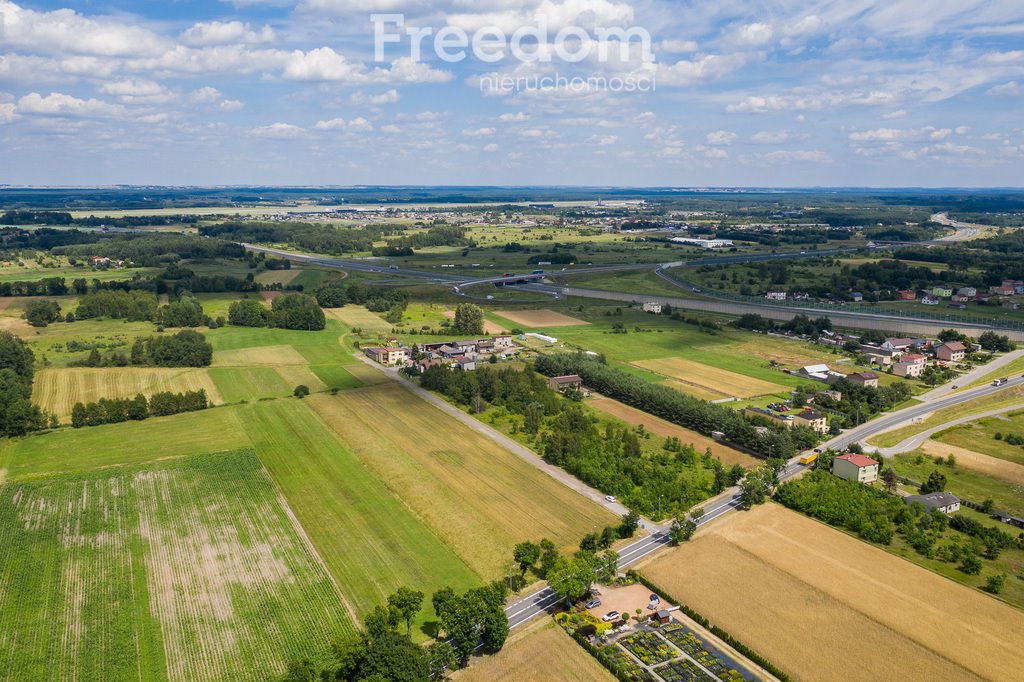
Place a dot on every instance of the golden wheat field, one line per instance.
(57, 390)
(540, 318)
(823, 605)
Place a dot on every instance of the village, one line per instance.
(461, 355)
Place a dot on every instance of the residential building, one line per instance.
(854, 467)
(906, 295)
(830, 393)
(960, 298)
(812, 419)
(776, 296)
(868, 378)
(897, 344)
(928, 299)
(944, 502)
(969, 292)
(908, 370)
(704, 243)
(951, 351)
(503, 342)
(651, 307)
(564, 383)
(1010, 305)
(914, 358)
(389, 356)
(857, 296)
(941, 291)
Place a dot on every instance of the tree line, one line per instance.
(290, 311)
(18, 415)
(116, 410)
(187, 348)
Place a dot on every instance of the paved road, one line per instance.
(972, 376)
(915, 441)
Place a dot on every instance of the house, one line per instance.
(1003, 289)
(944, 502)
(969, 292)
(928, 299)
(466, 364)
(447, 351)
(465, 346)
(563, 383)
(812, 419)
(897, 344)
(503, 342)
(1007, 518)
(941, 291)
(914, 358)
(776, 296)
(778, 417)
(834, 395)
(857, 296)
(906, 295)
(868, 378)
(960, 298)
(911, 370)
(389, 356)
(854, 467)
(951, 351)
(651, 307)
(1010, 305)
(426, 363)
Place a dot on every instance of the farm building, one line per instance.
(854, 467)
(820, 373)
(944, 502)
(563, 383)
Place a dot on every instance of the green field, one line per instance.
(980, 436)
(167, 571)
(371, 542)
(963, 482)
(238, 384)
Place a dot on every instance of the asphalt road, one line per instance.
(545, 600)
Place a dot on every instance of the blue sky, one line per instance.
(835, 92)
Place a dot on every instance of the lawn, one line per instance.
(57, 390)
(772, 578)
(371, 542)
(477, 496)
(95, 447)
(167, 571)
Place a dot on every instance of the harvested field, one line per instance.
(773, 578)
(542, 651)
(278, 276)
(540, 318)
(57, 390)
(782, 350)
(263, 356)
(354, 316)
(690, 389)
(478, 497)
(711, 378)
(237, 384)
(367, 374)
(159, 572)
(293, 375)
(489, 327)
(993, 466)
(661, 427)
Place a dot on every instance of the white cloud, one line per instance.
(388, 97)
(134, 88)
(8, 112)
(768, 137)
(1010, 89)
(677, 46)
(324, 64)
(755, 34)
(892, 115)
(67, 32)
(282, 131)
(360, 125)
(206, 33)
(721, 137)
(701, 69)
(213, 98)
(513, 118)
(602, 140)
(332, 124)
(478, 132)
(59, 104)
(492, 147)
(791, 156)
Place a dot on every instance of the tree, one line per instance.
(630, 522)
(395, 658)
(590, 542)
(754, 488)
(995, 583)
(297, 311)
(248, 313)
(608, 537)
(302, 670)
(891, 480)
(381, 620)
(548, 556)
(572, 578)
(185, 312)
(301, 391)
(469, 319)
(78, 416)
(970, 564)
(348, 653)
(936, 483)
(42, 313)
(440, 657)
(441, 599)
(526, 555)
(407, 602)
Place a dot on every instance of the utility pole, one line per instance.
(659, 506)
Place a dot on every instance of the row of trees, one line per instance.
(677, 407)
(290, 311)
(18, 415)
(187, 348)
(113, 411)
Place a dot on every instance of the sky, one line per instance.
(870, 93)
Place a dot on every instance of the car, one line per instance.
(610, 498)
(593, 603)
(610, 616)
(655, 597)
(955, 386)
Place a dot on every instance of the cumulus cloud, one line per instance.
(206, 33)
(67, 32)
(721, 138)
(388, 97)
(478, 132)
(325, 64)
(513, 118)
(61, 105)
(769, 137)
(281, 131)
(602, 140)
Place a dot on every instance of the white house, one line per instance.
(854, 467)
(651, 307)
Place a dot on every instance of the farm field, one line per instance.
(771, 576)
(57, 390)
(542, 651)
(540, 318)
(259, 356)
(95, 447)
(237, 384)
(691, 389)
(711, 378)
(980, 436)
(967, 479)
(490, 327)
(479, 498)
(278, 276)
(1006, 470)
(660, 427)
(371, 542)
(165, 571)
(357, 316)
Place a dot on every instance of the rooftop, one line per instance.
(859, 461)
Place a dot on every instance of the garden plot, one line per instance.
(159, 572)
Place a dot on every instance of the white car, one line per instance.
(610, 498)
(610, 616)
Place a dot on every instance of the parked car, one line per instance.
(593, 603)
(610, 616)
(610, 498)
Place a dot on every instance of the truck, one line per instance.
(1000, 381)
(808, 459)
